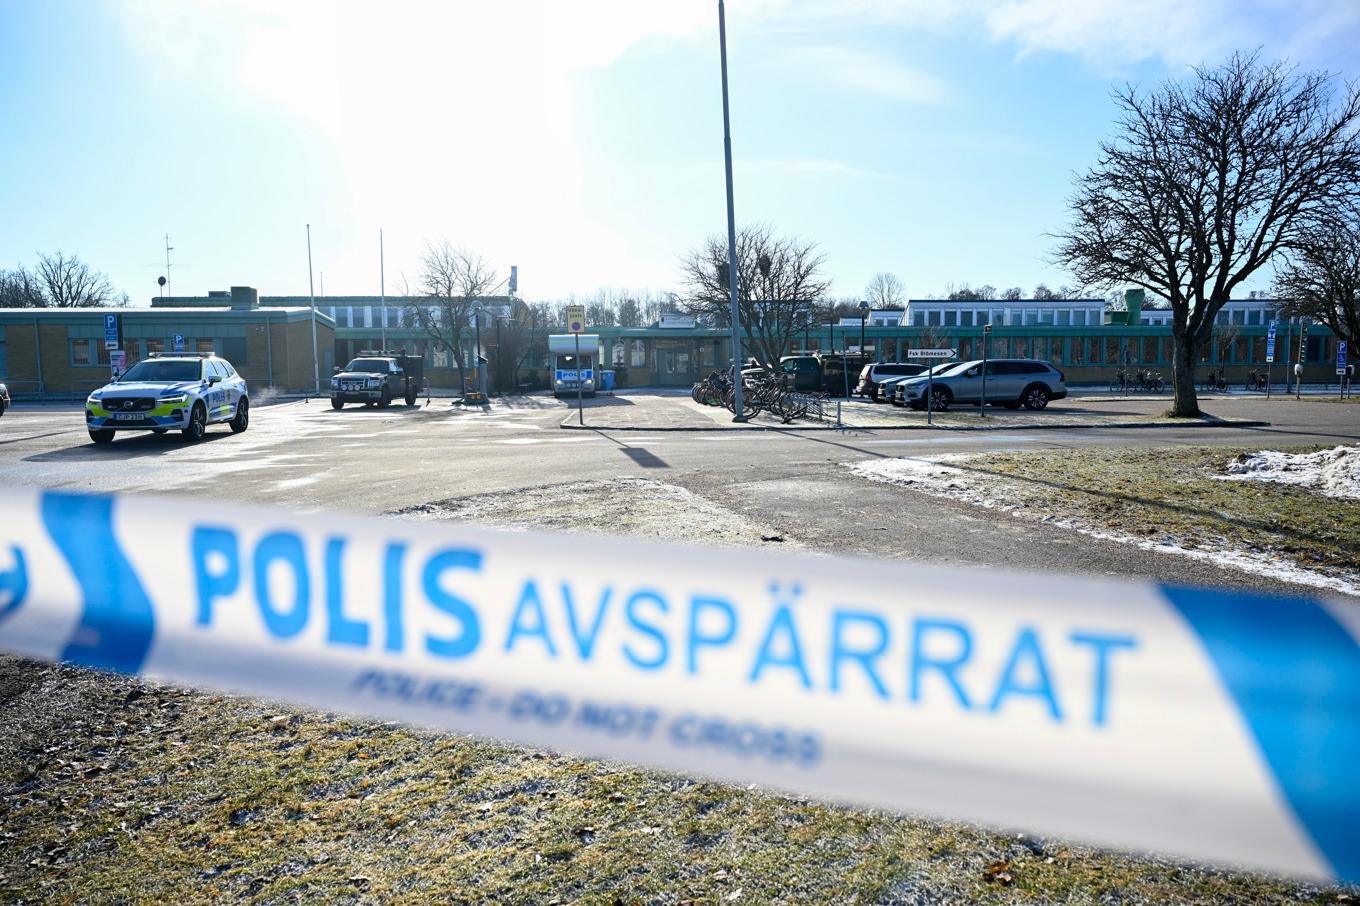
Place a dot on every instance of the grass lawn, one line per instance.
(1172, 493)
(153, 794)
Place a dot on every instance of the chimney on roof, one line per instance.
(244, 298)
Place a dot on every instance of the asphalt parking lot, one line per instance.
(305, 456)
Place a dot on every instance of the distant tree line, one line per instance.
(58, 280)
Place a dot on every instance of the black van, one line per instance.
(830, 372)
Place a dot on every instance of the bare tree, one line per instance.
(1206, 183)
(68, 282)
(885, 292)
(1043, 293)
(777, 279)
(1321, 279)
(20, 288)
(448, 290)
(1013, 294)
(967, 293)
(630, 313)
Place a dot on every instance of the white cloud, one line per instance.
(875, 73)
(818, 167)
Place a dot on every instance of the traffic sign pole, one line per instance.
(986, 344)
(580, 405)
(576, 322)
(1270, 354)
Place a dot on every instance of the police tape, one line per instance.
(1215, 725)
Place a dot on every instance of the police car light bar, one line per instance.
(181, 355)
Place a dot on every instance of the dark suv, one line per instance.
(1010, 383)
(377, 378)
(872, 377)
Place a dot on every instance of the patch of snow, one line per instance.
(936, 476)
(1332, 473)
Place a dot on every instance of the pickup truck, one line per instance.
(378, 378)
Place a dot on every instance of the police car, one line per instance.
(186, 392)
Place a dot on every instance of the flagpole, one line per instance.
(382, 288)
(311, 291)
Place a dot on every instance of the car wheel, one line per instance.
(241, 420)
(101, 436)
(2, 407)
(198, 424)
(386, 399)
(337, 404)
(159, 431)
(410, 399)
(940, 398)
(1035, 397)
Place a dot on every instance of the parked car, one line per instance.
(873, 376)
(892, 387)
(185, 391)
(1010, 383)
(4, 398)
(830, 372)
(376, 378)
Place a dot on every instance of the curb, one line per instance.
(817, 428)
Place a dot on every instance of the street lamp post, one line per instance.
(739, 414)
(863, 314)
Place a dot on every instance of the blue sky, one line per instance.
(581, 141)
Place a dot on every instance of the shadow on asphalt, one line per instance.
(1353, 438)
(644, 458)
(138, 446)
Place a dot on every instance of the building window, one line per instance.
(983, 318)
(89, 352)
(1046, 317)
(1064, 318)
(1149, 356)
(934, 319)
(154, 347)
(951, 319)
(202, 345)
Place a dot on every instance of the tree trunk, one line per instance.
(1184, 357)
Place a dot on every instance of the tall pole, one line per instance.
(737, 406)
(168, 247)
(580, 380)
(311, 292)
(382, 288)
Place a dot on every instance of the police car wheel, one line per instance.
(159, 430)
(101, 437)
(241, 420)
(198, 424)
(386, 399)
(337, 404)
(410, 399)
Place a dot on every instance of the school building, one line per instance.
(61, 352)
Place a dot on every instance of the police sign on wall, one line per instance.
(576, 318)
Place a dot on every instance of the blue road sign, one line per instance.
(110, 331)
(1341, 357)
(1270, 342)
(179, 342)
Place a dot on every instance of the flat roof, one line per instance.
(216, 313)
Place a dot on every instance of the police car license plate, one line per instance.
(128, 417)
